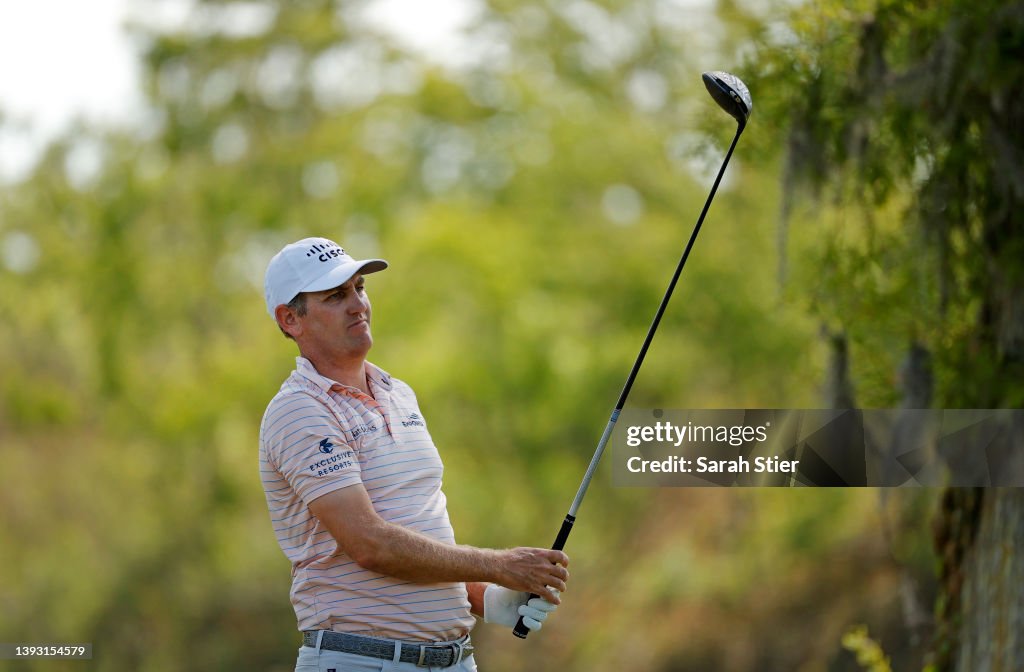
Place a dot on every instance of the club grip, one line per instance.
(521, 631)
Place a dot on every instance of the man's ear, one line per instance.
(288, 320)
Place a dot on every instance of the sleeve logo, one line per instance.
(326, 447)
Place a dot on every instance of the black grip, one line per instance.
(521, 631)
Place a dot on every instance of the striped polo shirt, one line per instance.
(318, 436)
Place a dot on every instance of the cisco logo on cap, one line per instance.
(325, 252)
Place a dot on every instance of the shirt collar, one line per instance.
(378, 377)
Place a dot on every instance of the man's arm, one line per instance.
(390, 549)
(476, 597)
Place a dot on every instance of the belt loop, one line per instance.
(458, 653)
(397, 658)
(319, 640)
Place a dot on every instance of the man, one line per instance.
(353, 485)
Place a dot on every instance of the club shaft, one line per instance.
(675, 278)
(521, 630)
(647, 341)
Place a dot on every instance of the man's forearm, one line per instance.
(406, 554)
(397, 551)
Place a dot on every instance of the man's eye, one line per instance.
(361, 288)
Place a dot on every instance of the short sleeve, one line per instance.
(303, 441)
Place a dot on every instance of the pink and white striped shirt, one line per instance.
(318, 436)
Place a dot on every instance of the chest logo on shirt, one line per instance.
(359, 430)
(326, 447)
(413, 421)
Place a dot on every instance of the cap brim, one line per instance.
(339, 275)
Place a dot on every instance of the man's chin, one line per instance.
(362, 345)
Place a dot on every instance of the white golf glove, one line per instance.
(504, 606)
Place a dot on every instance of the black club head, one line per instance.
(730, 93)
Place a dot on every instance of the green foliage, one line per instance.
(533, 206)
(904, 111)
(870, 655)
(910, 112)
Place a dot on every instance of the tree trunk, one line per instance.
(991, 637)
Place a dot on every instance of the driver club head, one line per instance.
(730, 93)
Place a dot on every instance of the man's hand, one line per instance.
(504, 606)
(540, 571)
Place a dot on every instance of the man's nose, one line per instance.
(358, 303)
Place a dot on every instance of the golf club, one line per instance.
(732, 95)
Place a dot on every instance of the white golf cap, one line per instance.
(311, 265)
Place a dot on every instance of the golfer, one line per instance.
(353, 485)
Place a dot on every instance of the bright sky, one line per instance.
(61, 59)
(65, 59)
(65, 55)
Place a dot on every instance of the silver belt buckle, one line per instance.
(458, 649)
(423, 652)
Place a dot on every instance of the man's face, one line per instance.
(337, 321)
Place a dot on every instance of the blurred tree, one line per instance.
(914, 111)
(530, 197)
